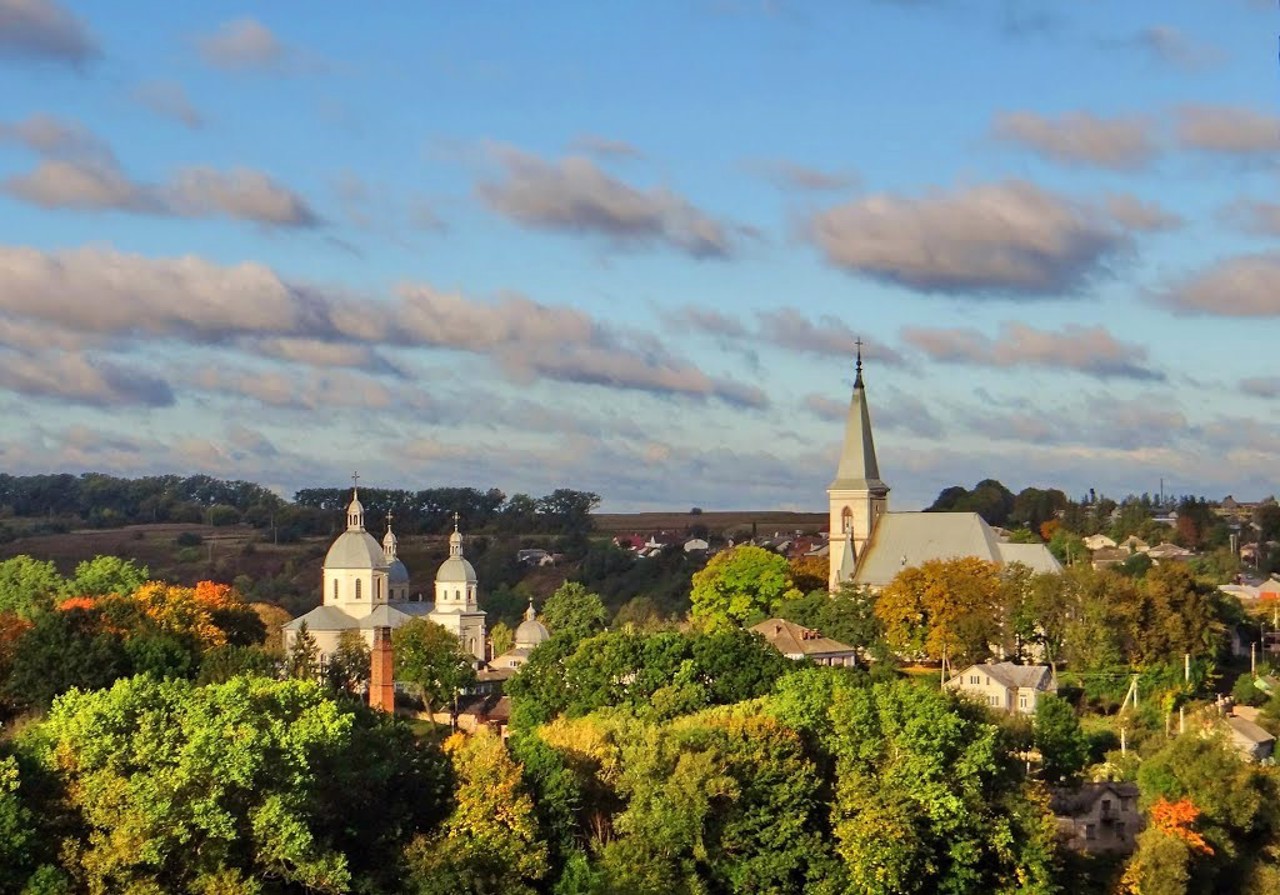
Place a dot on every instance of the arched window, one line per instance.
(357, 588)
(846, 520)
(335, 590)
(377, 590)
(457, 595)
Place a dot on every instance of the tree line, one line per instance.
(58, 501)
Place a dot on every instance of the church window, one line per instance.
(846, 520)
(377, 589)
(357, 588)
(335, 590)
(457, 595)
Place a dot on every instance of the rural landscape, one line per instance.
(686, 447)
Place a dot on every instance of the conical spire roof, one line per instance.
(858, 470)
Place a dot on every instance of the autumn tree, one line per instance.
(432, 660)
(809, 573)
(740, 586)
(943, 608)
(489, 844)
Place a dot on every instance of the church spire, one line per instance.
(355, 510)
(390, 543)
(455, 539)
(858, 469)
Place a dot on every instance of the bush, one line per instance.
(1245, 693)
(189, 539)
(189, 555)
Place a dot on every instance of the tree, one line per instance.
(432, 660)
(303, 661)
(104, 575)
(65, 649)
(28, 586)
(501, 638)
(348, 668)
(574, 612)
(171, 787)
(740, 586)
(1062, 744)
(948, 608)
(809, 573)
(489, 844)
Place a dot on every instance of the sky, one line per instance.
(628, 247)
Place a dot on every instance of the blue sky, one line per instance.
(627, 247)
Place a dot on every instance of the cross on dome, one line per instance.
(857, 380)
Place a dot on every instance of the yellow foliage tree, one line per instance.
(942, 608)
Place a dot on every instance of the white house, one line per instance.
(1006, 687)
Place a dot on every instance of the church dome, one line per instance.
(397, 573)
(355, 549)
(456, 569)
(531, 632)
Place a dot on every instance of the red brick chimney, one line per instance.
(382, 682)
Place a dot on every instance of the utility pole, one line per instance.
(1186, 667)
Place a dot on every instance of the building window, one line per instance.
(975, 680)
(846, 520)
(993, 700)
(457, 595)
(357, 588)
(1022, 701)
(335, 590)
(377, 589)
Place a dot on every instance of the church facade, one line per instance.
(365, 586)
(869, 545)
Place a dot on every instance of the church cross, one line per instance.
(455, 520)
(389, 518)
(355, 480)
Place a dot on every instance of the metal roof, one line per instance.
(355, 548)
(906, 540)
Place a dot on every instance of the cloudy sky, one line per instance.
(627, 247)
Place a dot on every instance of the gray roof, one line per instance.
(383, 615)
(858, 470)
(456, 569)
(355, 548)
(907, 540)
(324, 618)
(1250, 731)
(1036, 677)
(397, 573)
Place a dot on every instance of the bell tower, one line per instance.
(857, 497)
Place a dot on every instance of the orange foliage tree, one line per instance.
(1175, 819)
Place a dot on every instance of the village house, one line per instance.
(1250, 740)
(798, 642)
(1098, 818)
(1004, 686)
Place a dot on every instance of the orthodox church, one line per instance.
(870, 545)
(366, 586)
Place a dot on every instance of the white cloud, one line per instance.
(1008, 239)
(1242, 286)
(242, 45)
(1080, 138)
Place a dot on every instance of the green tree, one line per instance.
(740, 586)
(65, 649)
(104, 575)
(1062, 744)
(171, 787)
(573, 612)
(28, 586)
(432, 660)
(489, 844)
(303, 661)
(501, 638)
(348, 668)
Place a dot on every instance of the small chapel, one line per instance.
(365, 586)
(869, 545)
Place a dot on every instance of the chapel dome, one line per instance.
(456, 569)
(355, 549)
(531, 632)
(397, 573)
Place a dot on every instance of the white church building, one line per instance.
(870, 545)
(366, 586)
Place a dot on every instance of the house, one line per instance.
(1169, 552)
(1097, 818)
(1099, 542)
(798, 642)
(1004, 686)
(1134, 544)
(1251, 741)
(696, 544)
(1105, 557)
(534, 556)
